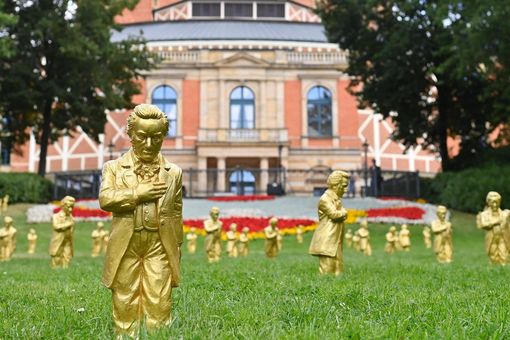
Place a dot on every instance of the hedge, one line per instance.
(25, 187)
(466, 190)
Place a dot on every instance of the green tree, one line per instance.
(406, 62)
(65, 70)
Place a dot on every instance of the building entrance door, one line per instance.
(242, 182)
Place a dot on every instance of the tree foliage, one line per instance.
(419, 62)
(65, 72)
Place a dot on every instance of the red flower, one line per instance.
(253, 223)
(85, 212)
(411, 213)
(241, 198)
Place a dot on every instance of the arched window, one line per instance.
(165, 98)
(242, 182)
(319, 112)
(242, 108)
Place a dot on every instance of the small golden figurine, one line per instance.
(442, 229)
(232, 241)
(391, 240)
(496, 223)
(404, 238)
(32, 241)
(271, 233)
(5, 202)
(97, 239)
(213, 228)
(104, 243)
(364, 242)
(327, 239)
(7, 239)
(426, 237)
(244, 241)
(355, 241)
(144, 192)
(299, 234)
(191, 239)
(61, 244)
(348, 238)
(279, 240)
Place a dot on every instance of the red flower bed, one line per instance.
(241, 198)
(254, 223)
(84, 212)
(411, 213)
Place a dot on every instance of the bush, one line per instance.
(466, 190)
(25, 187)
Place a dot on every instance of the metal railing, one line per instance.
(86, 184)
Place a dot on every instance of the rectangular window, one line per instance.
(238, 10)
(206, 9)
(271, 10)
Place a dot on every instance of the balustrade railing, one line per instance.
(243, 135)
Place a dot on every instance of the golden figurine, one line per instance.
(391, 240)
(213, 227)
(232, 241)
(279, 240)
(364, 241)
(244, 240)
(496, 223)
(105, 240)
(355, 241)
(327, 239)
(7, 239)
(442, 229)
(61, 244)
(144, 193)
(5, 202)
(426, 237)
(191, 239)
(98, 236)
(299, 234)
(348, 238)
(404, 238)
(32, 241)
(271, 233)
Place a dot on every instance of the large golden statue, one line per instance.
(144, 193)
(191, 238)
(328, 237)
(7, 239)
(244, 241)
(496, 223)
(98, 236)
(364, 241)
(213, 227)
(348, 238)
(271, 233)
(442, 229)
(391, 240)
(404, 238)
(232, 241)
(32, 241)
(299, 234)
(426, 237)
(61, 244)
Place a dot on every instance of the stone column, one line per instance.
(202, 175)
(221, 174)
(264, 174)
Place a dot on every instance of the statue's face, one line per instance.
(273, 223)
(341, 187)
(68, 207)
(493, 203)
(214, 215)
(147, 137)
(441, 214)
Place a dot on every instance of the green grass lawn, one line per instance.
(407, 295)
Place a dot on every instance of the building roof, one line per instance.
(224, 30)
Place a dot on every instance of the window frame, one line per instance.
(242, 102)
(167, 101)
(318, 104)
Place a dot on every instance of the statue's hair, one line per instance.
(100, 224)
(8, 219)
(214, 210)
(493, 194)
(336, 177)
(146, 111)
(68, 199)
(441, 208)
(273, 219)
(233, 225)
(246, 229)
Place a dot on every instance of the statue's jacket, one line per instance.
(118, 196)
(329, 233)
